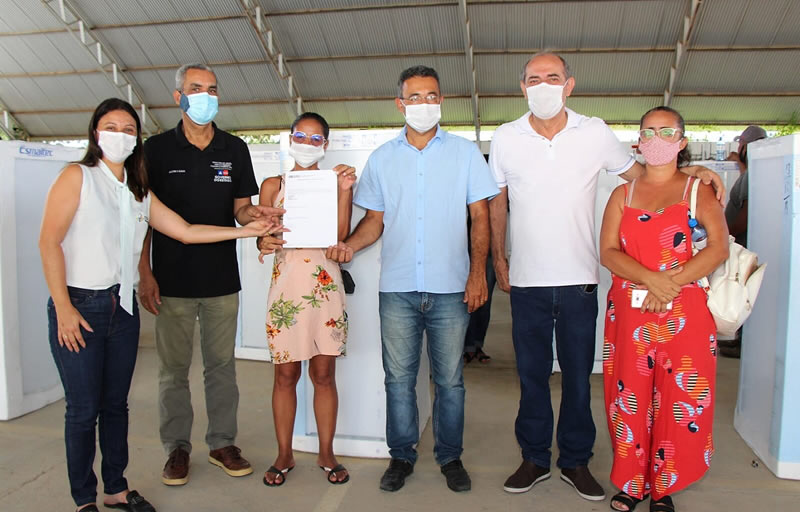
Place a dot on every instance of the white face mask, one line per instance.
(424, 116)
(116, 146)
(306, 155)
(544, 100)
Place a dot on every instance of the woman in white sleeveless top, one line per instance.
(95, 219)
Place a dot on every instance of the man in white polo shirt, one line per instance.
(546, 164)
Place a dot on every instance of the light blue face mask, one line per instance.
(200, 107)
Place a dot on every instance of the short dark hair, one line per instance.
(316, 117)
(135, 164)
(413, 71)
(684, 157)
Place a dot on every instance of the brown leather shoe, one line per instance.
(230, 460)
(176, 470)
(525, 477)
(584, 483)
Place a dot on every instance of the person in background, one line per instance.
(417, 190)
(206, 176)
(479, 321)
(95, 219)
(736, 215)
(306, 318)
(736, 209)
(659, 357)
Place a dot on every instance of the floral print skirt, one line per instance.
(306, 307)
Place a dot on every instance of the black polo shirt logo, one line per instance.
(223, 171)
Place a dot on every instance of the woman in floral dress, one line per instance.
(306, 317)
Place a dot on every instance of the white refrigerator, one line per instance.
(767, 412)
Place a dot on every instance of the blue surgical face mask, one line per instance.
(200, 107)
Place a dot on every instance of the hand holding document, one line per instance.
(310, 200)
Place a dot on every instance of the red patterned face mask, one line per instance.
(657, 151)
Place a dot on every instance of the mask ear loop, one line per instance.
(184, 103)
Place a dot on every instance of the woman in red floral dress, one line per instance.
(659, 355)
(306, 319)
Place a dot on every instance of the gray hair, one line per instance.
(180, 75)
(567, 70)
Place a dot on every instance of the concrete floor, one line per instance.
(33, 469)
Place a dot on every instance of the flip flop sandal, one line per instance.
(332, 471)
(468, 357)
(663, 505)
(482, 356)
(277, 472)
(627, 500)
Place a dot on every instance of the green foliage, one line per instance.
(263, 138)
(792, 126)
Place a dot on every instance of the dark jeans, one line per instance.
(535, 311)
(479, 319)
(404, 317)
(96, 383)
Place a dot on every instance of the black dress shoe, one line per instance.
(135, 503)
(457, 477)
(395, 475)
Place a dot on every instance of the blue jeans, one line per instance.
(96, 383)
(404, 317)
(572, 310)
(479, 319)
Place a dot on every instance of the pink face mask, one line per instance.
(657, 151)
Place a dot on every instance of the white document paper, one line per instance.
(311, 209)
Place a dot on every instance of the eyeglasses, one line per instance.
(304, 138)
(666, 133)
(416, 99)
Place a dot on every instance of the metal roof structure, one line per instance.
(717, 61)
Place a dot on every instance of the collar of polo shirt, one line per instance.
(573, 120)
(217, 142)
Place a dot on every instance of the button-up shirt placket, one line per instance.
(420, 220)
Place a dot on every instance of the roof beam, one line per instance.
(467, 124)
(132, 24)
(515, 96)
(269, 45)
(468, 53)
(322, 58)
(107, 62)
(11, 126)
(680, 49)
(418, 5)
(363, 8)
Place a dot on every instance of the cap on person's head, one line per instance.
(751, 134)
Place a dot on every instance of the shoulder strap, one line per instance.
(629, 195)
(686, 187)
(693, 200)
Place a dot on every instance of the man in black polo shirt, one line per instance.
(206, 176)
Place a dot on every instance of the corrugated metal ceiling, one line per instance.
(620, 52)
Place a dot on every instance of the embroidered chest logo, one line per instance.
(222, 171)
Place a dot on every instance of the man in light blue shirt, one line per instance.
(418, 189)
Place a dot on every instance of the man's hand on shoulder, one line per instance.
(708, 177)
